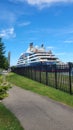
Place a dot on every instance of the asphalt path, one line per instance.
(37, 112)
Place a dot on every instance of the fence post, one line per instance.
(35, 72)
(55, 67)
(46, 76)
(27, 72)
(70, 85)
(24, 71)
(40, 71)
(31, 72)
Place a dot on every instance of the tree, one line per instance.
(6, 64)
(3, 59)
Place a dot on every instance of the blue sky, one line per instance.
(42, 21)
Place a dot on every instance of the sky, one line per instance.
(48, 22)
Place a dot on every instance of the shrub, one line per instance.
(4, 86)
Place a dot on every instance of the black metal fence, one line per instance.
(57, 76)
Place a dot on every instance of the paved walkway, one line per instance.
(36, 112)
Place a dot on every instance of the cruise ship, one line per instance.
(36, 55)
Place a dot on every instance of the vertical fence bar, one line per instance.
(31, 72)
(35, 72)
(70, 86)
(27, 71)
(40, 71)
(55, 68)
(24, 71)
(46, 76)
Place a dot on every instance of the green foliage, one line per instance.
(4, 86)
(3, 59)
(2, 52)
(1, 70)
(39, 88)
(7, 120)
(6, 64)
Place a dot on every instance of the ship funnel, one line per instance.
(31, 48)
(31, 44)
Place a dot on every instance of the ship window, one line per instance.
(33, 60)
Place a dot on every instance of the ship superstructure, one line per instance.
(35, 55)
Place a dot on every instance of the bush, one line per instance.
(1, 79)
(4, 86)
(3, 92)
(1, 70)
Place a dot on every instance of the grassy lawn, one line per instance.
(39, 88)
(7, 120)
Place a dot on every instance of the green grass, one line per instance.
(7, 120)
(41, 89)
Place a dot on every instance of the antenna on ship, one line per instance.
(42, 45)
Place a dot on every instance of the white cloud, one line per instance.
(8, 33)
(68, 41)
(39, 2)
(43, 3)
(24, 24)
(50, 47)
